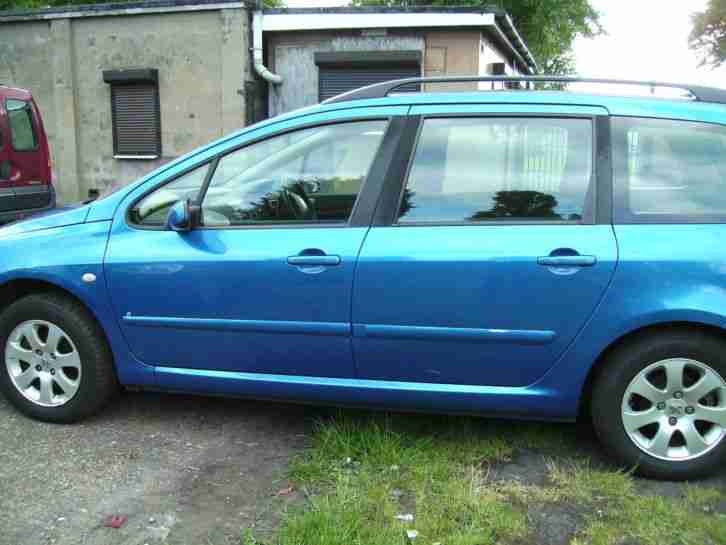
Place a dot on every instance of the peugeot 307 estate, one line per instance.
(516, 253)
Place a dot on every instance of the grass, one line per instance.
(363, 470)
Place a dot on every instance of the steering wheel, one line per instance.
(297, 200)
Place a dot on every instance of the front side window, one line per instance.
(499, 169)
(666, 170)
(312, 176)
(22, 130)
(151, 211)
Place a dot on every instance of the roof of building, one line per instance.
(116, 8)
(368, 17)
(505, 33)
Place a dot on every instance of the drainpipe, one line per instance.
(260, 67)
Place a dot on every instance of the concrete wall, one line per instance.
(24, 57)
(451, 53)
(202, 59)
(292, 55)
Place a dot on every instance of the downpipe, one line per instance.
(257, 57)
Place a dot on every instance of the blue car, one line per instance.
(516, 253)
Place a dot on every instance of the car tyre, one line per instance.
(78, 341)
(653, 360)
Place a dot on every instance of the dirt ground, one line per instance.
(184, 470)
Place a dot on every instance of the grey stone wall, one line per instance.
(202, 59)
(292, 55)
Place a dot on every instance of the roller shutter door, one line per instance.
(334, 80)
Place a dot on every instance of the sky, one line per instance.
(646, 40)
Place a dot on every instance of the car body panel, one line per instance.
(57, 217)
(652, 286)
(60, 256)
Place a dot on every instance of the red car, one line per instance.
(25, 168)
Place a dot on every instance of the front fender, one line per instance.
(60, 257)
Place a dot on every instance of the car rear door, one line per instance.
(29, 161)
(7, 194)
(496, 253)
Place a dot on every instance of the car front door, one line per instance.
(495, 256)
(264, 283)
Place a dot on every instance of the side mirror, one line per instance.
(182, 216)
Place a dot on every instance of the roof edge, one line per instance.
(139, 7)
(494, 10)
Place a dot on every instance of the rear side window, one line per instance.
(22, 130)
(499, 169)
(668, 171)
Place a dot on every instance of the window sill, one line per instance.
(137, 157)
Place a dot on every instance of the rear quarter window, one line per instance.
(668, 171)
(22, 130)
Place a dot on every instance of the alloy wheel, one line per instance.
(675, 409)
(43, 363)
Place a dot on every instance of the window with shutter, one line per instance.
(135, 113)
(340, 72)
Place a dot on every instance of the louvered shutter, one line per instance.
(135, 112)
(136, 124)
(334, 80)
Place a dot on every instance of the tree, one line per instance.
(549, 27)
(708, 36)
(520, 204)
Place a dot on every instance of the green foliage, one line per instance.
(708, 36)
(549, 27)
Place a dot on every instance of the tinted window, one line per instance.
(312, 175)
(669, 170)
(493, 169)
(154, 207)
(22, 131)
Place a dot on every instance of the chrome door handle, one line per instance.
(314, 260)
(567, 260)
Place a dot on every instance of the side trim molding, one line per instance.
(513, 336)
(254, 326)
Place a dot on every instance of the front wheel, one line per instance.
(659, 404)
(56, 363)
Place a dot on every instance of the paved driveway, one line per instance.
(184, 469)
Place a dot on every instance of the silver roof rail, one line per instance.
(381, 90)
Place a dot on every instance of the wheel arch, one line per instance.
(631, 336)
(17, 288)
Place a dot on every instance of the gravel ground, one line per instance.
(185, 471)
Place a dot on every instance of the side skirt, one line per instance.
(532, 403)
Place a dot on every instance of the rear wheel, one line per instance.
(56, 363)
(659, 404)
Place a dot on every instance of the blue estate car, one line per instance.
(528, 254)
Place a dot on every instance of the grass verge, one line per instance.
(364, 471)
